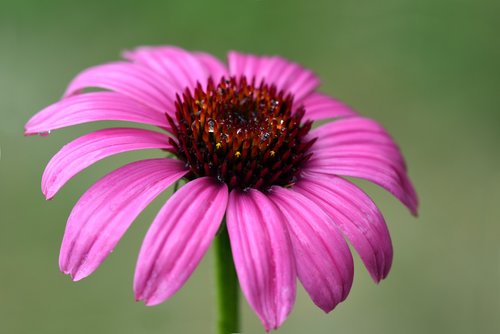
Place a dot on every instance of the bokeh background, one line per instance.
(427, 69)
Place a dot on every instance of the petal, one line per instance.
(352, 131)
(319, 107)
(370, 170)
(215, 67)
(286, 75)
(90, 148)
(247, 65)
(180, 67)
(178, 238)
(135, 81)
(356, 216)
(323, 259)
(390, 155)
(106, 210)
(90, 107)
(360, 147)
(262, 254)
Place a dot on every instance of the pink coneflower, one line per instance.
(241, 137)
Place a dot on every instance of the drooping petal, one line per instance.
(360, 147)
(323, 259)
(286, 75)
(178, 238)
(91, 107)
(356, 216)
(355, 132)
(370, 170)
(86, 150)
(106, 210)
(262, 254)
(319, 107)
(135, 81)
(180, 67)
(390, 155)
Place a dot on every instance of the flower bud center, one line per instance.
(245, 135)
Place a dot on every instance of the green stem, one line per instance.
(227, 285)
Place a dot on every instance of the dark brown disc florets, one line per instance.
(245, 135)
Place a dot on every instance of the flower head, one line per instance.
(242, 137)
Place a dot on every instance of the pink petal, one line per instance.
(323, 259)
(360, 147)
(214, 66)
(180, 67)
(262, 254)
(135, 81)
(86, 150)
(357, 134)
(106, 210)
(286, 75)
(178, 238)
(90, 107)
(370, 170)
(391, 155)
(356, 216)
(247, 65)
(319, 107)
(353, 130)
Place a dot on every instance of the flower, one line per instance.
(242, 137)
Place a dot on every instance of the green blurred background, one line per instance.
(427, 69)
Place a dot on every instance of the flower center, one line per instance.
(245, 135)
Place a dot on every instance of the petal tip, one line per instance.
(327, 308)
(150, 300)
(414, 211)
(78, 274)
(28, 132)
(270, 326)
(137, 295)
(48, 193)
(48, 197)
(377, 275)
(77, 277)
(142, 295)
(151, 303)
(69, 273)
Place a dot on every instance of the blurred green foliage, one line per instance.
(427, 69)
